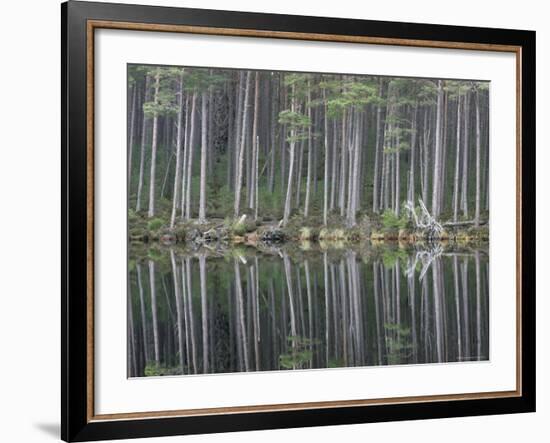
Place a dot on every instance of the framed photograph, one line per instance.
(279, 221)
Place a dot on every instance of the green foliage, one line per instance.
(391, 255)
(299, 354)
(201, 79)
(238, 228)
(154, 370)
(296, 122)
(155, 224)
(390, 221)
(398, 343)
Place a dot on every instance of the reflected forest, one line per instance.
(291, 221)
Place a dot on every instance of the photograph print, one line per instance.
(298, 221)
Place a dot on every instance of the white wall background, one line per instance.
(30, 221)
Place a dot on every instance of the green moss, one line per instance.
(390, 221)
(155, 224)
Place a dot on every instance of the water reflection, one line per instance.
(208, 311)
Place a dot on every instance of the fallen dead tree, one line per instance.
(465, 223)
(424, 222)
(426, 257)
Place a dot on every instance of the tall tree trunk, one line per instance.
(186, 144)
(456, 190)
(478, 163)
(443, 160)
(464, 199)
(291, 156)
(397, 175)
(273, 138)
(343, 167)
(299, 162)
(239, 167)
(204, 151)
(437, 152)
(309, 152)
(131, 131)
(152, 176)
(355, 172)
(412, 191)
(426, 157)
(178, 154)
(190, 158)
(379, 145)
(253, 184)
(142, 151)
(333, 158)
(325, 183)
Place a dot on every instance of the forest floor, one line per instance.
(246, 231)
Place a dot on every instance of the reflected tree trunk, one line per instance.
(143, 315)
(204, 313)
(179, 311)
(241, 318)
(154, 311)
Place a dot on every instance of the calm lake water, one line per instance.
(241, 309)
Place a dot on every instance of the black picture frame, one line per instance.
(76, 424)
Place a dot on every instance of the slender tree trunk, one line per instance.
(456, 190)
(152, 176)
(443, 160)
(355, 172)
(189, 291)
(334, 161)
(131, 131)
(325, 183)
(143, 316)
(186, 316)
(178, 154)
(204, 150)
(478, 163)
(255, 153)
(142, 151)
(426, 157)
(457, 307)
(478, 305)
(190, 158)
(299, 162)
(239, 167)
(309, 152)
(179, 311)
(204, 314)
(464, 200)
(378, 150)
(437, 152)
(273, 138)
(286, 213)
(186, 144)
(436, 275)
(412, 190)
(343, 167)
(397, 176)
(154, 311)
(241, 319)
